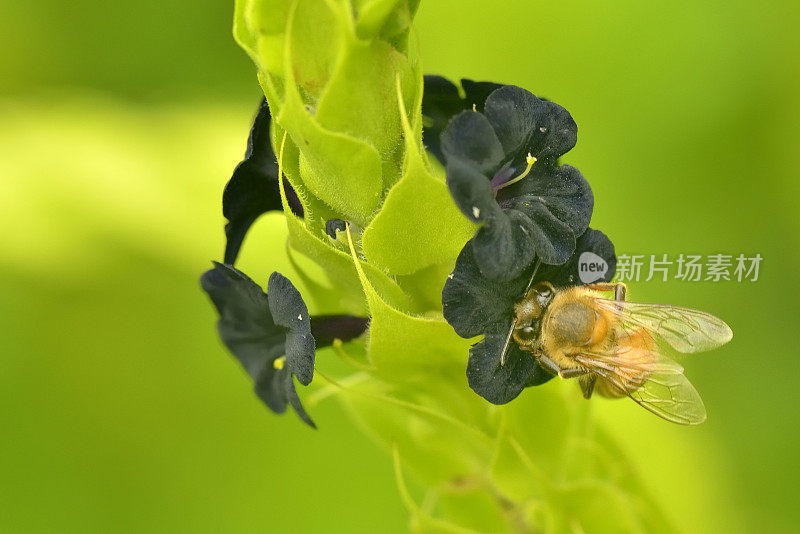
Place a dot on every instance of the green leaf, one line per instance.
(315, 211)
(340, 271)
(339, 265)
(341, 170)
(242, 29)
(360, 99)
(388, 19)
(315, 37)
(426, 285)
(429, 347)
(259, 27)
(372, 15)
(334, 94)
(426, 437)
(406, 236)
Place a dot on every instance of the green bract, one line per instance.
(404, 238)
(330, 82)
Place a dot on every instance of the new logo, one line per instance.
(591, 267)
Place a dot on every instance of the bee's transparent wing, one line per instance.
(685, 329)
(664, 391)
(672, 397)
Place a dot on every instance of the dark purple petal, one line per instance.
(290, 312)
(441, 101)
(498, 383)
(253, 188)
(327, 328)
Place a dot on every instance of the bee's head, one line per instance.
(528, 313)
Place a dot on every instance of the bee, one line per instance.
(616, 348)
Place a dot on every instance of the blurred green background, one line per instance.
(119, 125)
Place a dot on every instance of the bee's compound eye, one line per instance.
(528, 333)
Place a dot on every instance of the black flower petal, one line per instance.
(441, 101)
(513, 113)
(502, 171)
(559, 132)
(474, 304)
(327, 328)
(294, 400)
(261, 328)
(545, 212)
(334, 225)
(290, 312)
(276, 389)
(525, 123)
(253, 188)
(245, 324)
(539, 216)
(498, 383)
(562, 190)
(271, 387)
(506, 245)
(472, 192)
(592, 246)
(471, 138)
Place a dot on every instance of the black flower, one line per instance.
(332, 226)
(476, 305)
(272, 334)
(502, 171)
(441, 101)
(253, 188)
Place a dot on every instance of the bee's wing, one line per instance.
(685, 329)
(664, 391)
(672, 397)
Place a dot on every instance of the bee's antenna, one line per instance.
(533, 274)
(514, 321)
(508, 340)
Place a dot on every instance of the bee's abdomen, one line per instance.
(635, 352)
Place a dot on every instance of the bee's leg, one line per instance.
(556, 369)
(587, 385)
(548, 364)
(572, 372)
(620, 290)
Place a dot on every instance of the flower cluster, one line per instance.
(500, 146)
(503, 173)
